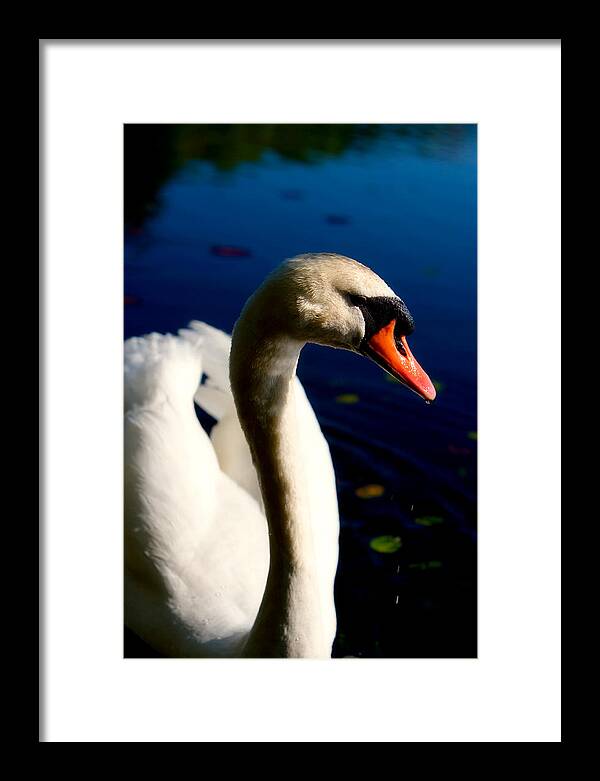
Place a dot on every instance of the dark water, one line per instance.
(209, 210)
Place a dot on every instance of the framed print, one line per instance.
(296, 465)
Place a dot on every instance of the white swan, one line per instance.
(215, 566)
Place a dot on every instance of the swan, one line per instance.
(231, 541)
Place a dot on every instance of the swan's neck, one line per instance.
(263, 369)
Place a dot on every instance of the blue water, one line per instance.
(402, 200)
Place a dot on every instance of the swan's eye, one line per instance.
(378, 311)
(356, 300)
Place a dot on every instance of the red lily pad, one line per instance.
(229, 251)
(134, 230)
(458, 451)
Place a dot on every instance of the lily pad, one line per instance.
(371, 491)
(229, 251)
(387, 543)
(423, 565)
(429, 520)
(458, 451)
(347, 398)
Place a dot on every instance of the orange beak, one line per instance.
(395, 357)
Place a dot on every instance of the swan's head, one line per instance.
(335, 301)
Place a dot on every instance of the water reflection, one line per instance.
(209, 210)
(154, 152)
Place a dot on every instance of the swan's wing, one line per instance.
(196, 543)
(159, 366)
(214, 396)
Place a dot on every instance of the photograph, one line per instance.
(300, 391)
(299, 479)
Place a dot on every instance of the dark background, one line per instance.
(211, 209)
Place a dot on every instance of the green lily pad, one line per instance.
(386, 544)
(424, 565)
(371, 491)
(429, 520)
(347, 398)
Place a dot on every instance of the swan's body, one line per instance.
(194, 504)
(215, 565)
